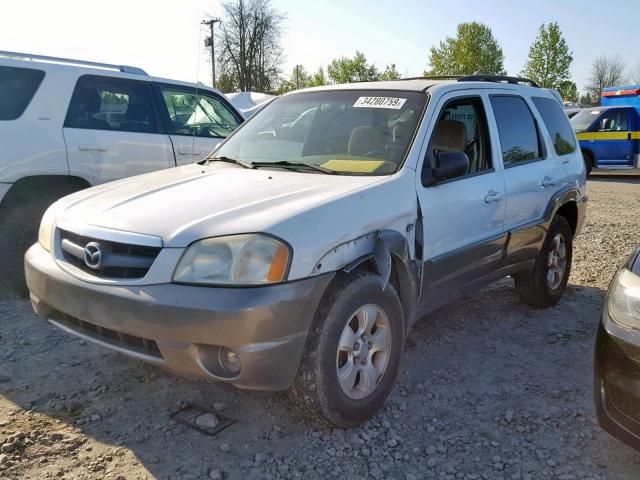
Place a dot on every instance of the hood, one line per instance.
(188, 203)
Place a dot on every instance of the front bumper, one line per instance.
(183, 327)
(617, 381)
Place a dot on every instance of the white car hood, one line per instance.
(188, 203)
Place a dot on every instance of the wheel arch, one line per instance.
(401, 272)
(38, 185)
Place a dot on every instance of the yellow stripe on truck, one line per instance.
(608, 135)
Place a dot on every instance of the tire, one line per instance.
(317, 392)
(18, 231)
(536, 288)
(588, 162)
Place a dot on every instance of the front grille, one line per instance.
(625, 403)
(113, 337)
(119, 260)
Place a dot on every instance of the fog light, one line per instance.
(229, 360)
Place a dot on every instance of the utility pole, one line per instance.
(210, 42)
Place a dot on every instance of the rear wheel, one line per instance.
(589, 162)
(18, 231)
(353, 353)
(545, 284)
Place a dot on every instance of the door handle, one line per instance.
(493, 196)
(188, 151)
(549, 182)
(87, 147)
(629, 136)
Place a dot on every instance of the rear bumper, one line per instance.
(182, 327)
(617, 382)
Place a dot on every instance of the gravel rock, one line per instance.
(489, 389)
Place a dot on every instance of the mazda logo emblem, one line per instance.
(93, 255)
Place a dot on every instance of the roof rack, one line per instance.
(498, 79)
(479, 78)
(71, 61)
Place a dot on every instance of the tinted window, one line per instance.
(517, 129)
(103, 103)
(202, 115)
(462, 127)
(17, 88)
(557, 125)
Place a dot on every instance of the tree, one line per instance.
(318, 79)
(634, 74)
(549, 58)
(568, 91)
(356, 69)
(474, 50)
(390, 73)
(587, 99)
(605, 72)
(225, 82)
(249, 44)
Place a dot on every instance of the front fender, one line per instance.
(374, 249)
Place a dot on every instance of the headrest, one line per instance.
(89, 100)
(450, 136)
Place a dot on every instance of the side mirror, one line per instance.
(452, 165)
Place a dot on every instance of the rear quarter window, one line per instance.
(558, 126)
(17, 88)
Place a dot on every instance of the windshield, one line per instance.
(344, 132)
(583, 119)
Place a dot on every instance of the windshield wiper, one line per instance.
(294, 164)
(242, 163)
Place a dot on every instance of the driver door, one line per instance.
(463, 217)
(197, 120)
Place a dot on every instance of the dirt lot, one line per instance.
(490, 389)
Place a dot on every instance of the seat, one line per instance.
(450, 136)
(137, 118)
(87, 107)
(365, 139)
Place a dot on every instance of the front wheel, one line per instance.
(353, 353)
(544, 285)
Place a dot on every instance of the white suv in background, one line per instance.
(67, 124)
(302, 251)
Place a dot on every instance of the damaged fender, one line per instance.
(388, 250)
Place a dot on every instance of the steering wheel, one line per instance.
(375, 154)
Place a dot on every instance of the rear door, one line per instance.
(533, 172)
(197, 120)
(112, 130)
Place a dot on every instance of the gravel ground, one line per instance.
(490, 389)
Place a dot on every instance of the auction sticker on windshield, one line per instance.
(394, 103)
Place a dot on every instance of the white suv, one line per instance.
(66, 125)
(301, 253)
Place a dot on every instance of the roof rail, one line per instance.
(433, 77)
(71, 61)
(498, 79)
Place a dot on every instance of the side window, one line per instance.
(203, 115)
(558, 126)
(462, 127)
(519, 137)
(103, 103)
(613, 121)
(17, 88)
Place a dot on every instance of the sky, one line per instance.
(166, 39)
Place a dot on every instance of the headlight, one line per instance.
(45, 232)
(252, 259)
(624, 299)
